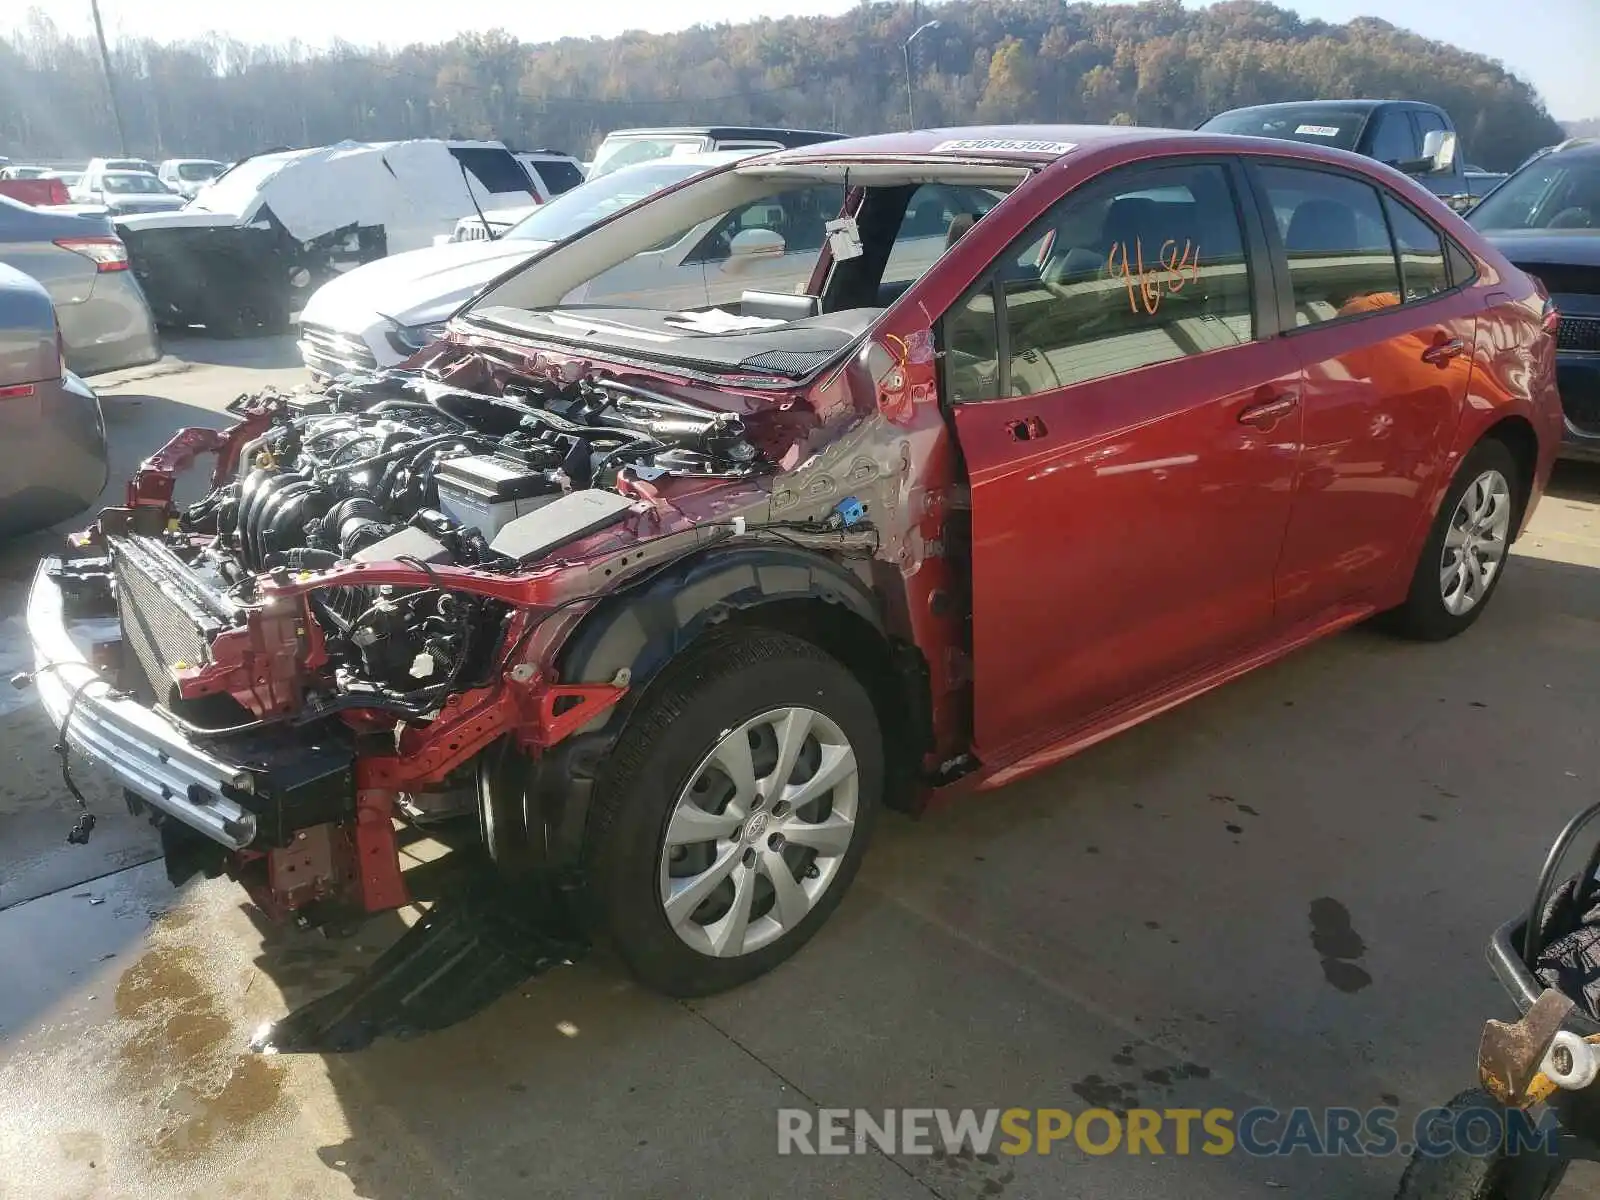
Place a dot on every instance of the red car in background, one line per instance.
(1067, 426)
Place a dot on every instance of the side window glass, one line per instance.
(1462, 269)
(1421, 246)
(1147, 270)
(971, 344)
(1341, 262)
(1393, 141)
(937, 216)
(1428, 122)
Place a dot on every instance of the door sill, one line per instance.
(1110, 722)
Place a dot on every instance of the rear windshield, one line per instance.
(199, 170)
(132, 181)
(558, 175)
(1318, 126)
(626, 151)
(129, 164)
(496, 170)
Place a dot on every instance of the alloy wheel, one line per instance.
(1475, 545)
(759, 832)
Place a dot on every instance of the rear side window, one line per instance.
(1146, 270)
(558, 175)
(1421, 247)
(495, 169)
(1341, 262)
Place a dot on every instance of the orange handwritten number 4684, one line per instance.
(1172, 270)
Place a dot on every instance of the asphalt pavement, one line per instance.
(1276, 895)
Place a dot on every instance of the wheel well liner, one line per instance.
(642, 630)
(1516, 434)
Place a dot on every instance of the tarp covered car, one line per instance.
(237, 255)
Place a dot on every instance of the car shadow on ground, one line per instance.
(1137, 927)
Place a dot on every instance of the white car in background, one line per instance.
(186, 176)
(381, 314)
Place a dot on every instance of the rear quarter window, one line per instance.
(558, 176)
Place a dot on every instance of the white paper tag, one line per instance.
(1018, 145)
(1318, 130)
(844, 238)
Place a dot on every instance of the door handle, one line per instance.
(1269, 412)
(1027, 429)
(1440, 353)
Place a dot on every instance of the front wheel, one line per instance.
(736, 810)
(1467, 548)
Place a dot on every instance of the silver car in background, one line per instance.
(106, 324)
(52, 435)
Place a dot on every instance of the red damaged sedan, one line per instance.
(1008, 439)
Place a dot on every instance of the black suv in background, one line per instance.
(1546, 220)
(1409, 135)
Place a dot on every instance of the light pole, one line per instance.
(111, 83)
(911, 104)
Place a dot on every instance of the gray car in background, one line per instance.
(106, 323)
(52, 436)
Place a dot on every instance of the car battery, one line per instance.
(484, 491)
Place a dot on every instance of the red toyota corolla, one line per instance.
(888, 468)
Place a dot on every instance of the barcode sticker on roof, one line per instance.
(1018, 145)
(1318, 130)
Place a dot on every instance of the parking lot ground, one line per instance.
(1278, 894)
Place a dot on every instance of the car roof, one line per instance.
(1327, 106)
(722, 132)
(1022, 144)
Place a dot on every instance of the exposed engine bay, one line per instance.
(398, 467)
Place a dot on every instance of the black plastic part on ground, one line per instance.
(472, 947)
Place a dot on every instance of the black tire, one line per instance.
(249, 311)
(1424, 617)
(1463, 1176)
(716, 685)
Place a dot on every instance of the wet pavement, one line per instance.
(1277, 894)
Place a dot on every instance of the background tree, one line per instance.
(991, 60)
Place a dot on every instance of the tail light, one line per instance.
(1550, 318)
(16, 391)
(58, 193)
(108, 253)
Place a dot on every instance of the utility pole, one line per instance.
(111, 84)
(911, 103)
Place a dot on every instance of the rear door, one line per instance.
(1384, 337)
(1130, 429)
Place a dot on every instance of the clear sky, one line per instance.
(1553, 43)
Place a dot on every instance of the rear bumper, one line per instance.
(146, 753)
(113, 329)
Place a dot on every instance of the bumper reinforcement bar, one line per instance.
(146, 753)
